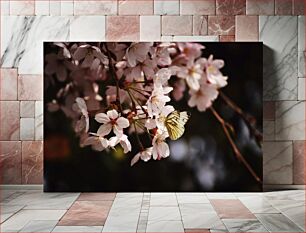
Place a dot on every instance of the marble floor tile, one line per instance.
(39, 200)
(97, 197)
(277, 223)
(294, 210)
(238, 225)
(122, 219)
(74, 229)
(185, 198)
(279, 35)
(91, 213)
(39, 226)
(188, 209)
(4, 194)
(296, 195)
(208, 220)
(258, 205)
(220, 196)
(23, 217)
(165, 226)
(23, 36)
(231, 208)
(8, 210)
(163, 200)
(167, 213)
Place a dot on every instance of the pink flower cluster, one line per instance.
(127, 87)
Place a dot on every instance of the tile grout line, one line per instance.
(144, 216)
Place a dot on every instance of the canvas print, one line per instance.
(152, 116)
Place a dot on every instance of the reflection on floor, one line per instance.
(35, 211)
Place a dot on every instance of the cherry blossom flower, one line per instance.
(144, 155)
(83, 123)
(91, 56)
(190, 50)
(204, 97)
(160, 147)
(213, 72)
(124, 142)
(137, 52)
(192, 73)
(158, 100)
(179, 88)
(97, 142)
(111, 121)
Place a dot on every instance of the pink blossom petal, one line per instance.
(80, 53)
(118, 131)
(61, 73)
(112, 114)
(102, 118)
(104, 129)
(135, 159)
(122, 122)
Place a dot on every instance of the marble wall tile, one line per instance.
(42, 7)
(107, 7)
(277, 162)
(86, 213)
(150, 29)
(279, 35)
(27, 108)
(200, 25)
(299, 162)
(8, 84)
(39, 127)
(5, 7)
(10, 157)
(22, 7)
(165, 226)
(230, 7)
(135, 7)
(269, 110)
(246, 28)
(301, 88)
(298, 7)
(166, 7)
(301, 47)
(55, 8)
(283, 7)
(277, 223)
(9, 120)
(203, 7)
(66, 7)
(238, 225)
(260, 7)
(22, 40)
(30, 87)
(87, 28)
(290, 120)
(32, 162)
(231, 209)
(227, 38)
(195, 38)
(269, 130)
(27, 129)
(122, 28)
(176, 25)
(221, 25)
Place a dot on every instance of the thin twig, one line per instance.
(234, 146)
(250, 120)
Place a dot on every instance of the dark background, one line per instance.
(202, 160)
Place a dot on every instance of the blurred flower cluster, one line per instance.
(126, 88)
